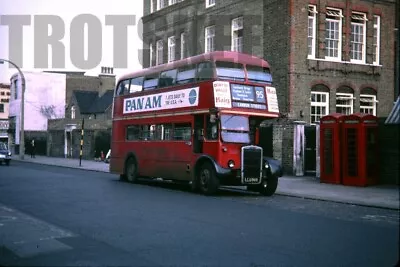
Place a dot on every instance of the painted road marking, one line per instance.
(27, 236)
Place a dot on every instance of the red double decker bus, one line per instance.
(196, 120)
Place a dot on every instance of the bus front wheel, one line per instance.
(131, 171)
(207, 179)
(268, 187)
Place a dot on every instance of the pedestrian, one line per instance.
(33, 148)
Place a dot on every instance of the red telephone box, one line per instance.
(330, 150)
(360, 149)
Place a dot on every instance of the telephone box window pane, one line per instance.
(371, 153)
(352, 155)
(328, 151)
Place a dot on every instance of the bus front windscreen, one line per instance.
(235, 129)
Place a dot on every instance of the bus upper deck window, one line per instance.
(123, 87)
(205, 71)
(150, 82)
(258, 74)
(167, 78)
(186, 74)
(136, 84)
(230, 71)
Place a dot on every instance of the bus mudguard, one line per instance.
(275, 166)
(219, 170)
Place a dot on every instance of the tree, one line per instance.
(49, 112)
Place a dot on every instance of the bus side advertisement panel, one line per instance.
(162, 101)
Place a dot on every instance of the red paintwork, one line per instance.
(361, 123)
(170, 159)
(332, 122)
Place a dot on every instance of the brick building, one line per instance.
(89, 98)
(326, 56)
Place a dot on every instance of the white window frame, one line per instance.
(236, 39)
(151, 6)
(160, 4)
(159, 52)
(173, 2)
(319, 104)
(359, 17)
(171, 49)
(73, 112)
(183, 45)
(345, 96)
(312, 23)
(209, 36)
(151, 54)
(334, 12)
(377, 40)
(369, 99)
(210, 3)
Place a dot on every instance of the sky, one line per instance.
(68, 10)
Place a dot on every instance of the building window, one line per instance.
(183, 45)
(160, 4)
(376, 40)
(150, 54)
(209, 39)
(73, 112)
(172, 2)
(171, 49)
(312, 32)
(319, 106)
(358, 37)
(333, 34)
(344, 103)
(151, 6)
(1, 108)
(368, 104)
(237, 35)
(210, 3)
(159, 52)
(15, 89)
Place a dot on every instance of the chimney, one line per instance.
(107, 80)
(107, 71)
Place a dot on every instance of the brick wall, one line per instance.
(90, 143)
(277, 31)
(307, 73)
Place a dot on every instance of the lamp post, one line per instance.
(22, 135)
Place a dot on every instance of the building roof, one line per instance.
(89, 102)
(394, 116)
(103, 102)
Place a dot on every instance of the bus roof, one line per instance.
(227, 56)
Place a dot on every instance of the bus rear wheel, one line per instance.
(131, 171)
(207, 179)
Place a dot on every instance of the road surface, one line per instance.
(52, 216)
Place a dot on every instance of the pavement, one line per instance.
(378, 196)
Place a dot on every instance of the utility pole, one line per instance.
(22, 133)
(82, 134)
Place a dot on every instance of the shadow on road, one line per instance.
(183, 187)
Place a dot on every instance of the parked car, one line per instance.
(5, 154)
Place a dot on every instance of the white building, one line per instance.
(44, 97)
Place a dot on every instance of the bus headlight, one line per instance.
(231, 164)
